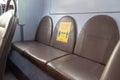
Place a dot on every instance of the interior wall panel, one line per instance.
(84, 6)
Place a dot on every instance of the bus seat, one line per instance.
(65, 45)
(94, 46)
(41, 53)
(98, 39)
(7, 28)
(46, 26)
(43, 34)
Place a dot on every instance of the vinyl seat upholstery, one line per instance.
(94, 46)
(73, 67)
(40, 51)
(66, 61)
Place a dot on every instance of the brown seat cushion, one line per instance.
(37, 52)
(66, 29)
(97, 38)
(73, 67)
(21, 46)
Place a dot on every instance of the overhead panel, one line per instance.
(84, 6)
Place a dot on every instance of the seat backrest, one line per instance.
(64, 34)
(112, 69)
(44, 31)
(97, 39)
(7, 28)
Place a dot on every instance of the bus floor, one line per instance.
(9, 75)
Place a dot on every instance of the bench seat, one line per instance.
(38, 52)
(95, 44)
(66, 61)
(75, 68)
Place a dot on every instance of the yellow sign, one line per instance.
(63, 31)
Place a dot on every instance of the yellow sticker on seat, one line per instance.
(63, 31)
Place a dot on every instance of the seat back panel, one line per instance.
(64, 34)
(44, 31)
(97, 39)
